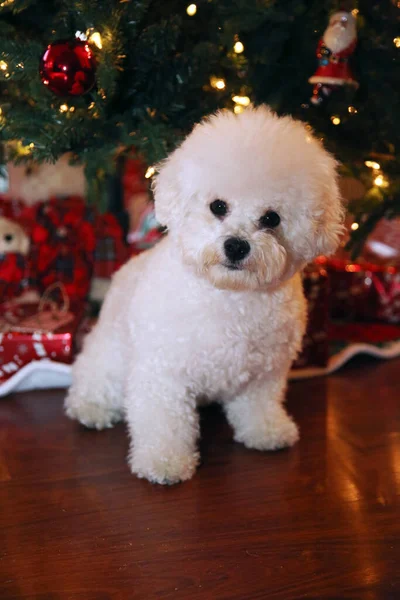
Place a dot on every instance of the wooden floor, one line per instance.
(319, 521)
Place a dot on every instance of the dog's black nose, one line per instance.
(236, 249)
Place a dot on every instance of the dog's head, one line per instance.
(249, 199)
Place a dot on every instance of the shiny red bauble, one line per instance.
(68, 67)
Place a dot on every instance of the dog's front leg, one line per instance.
(258, 417)
(164, 427)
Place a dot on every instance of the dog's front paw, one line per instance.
(270, 435)
(92, 414)
(165, 470)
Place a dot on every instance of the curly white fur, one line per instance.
(179, 327)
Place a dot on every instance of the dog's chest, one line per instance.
(241, 337)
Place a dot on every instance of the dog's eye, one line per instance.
(219, 208)
(8, 237)
(270, 220)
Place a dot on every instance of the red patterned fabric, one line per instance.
(111, 251)
(69, 243)
(63, 245)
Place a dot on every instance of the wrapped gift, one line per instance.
(315, 350)
(34, 332)
(363, 291)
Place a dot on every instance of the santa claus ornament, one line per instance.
(334, 50)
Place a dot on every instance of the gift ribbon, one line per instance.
(50, 314)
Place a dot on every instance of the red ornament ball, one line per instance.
(68, 68)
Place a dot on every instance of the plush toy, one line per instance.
(13, 238)
(215, 311)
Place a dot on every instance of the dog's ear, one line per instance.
(166, 191)
(330, 222)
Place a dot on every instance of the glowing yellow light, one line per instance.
(31, 145)
(3, 65)
(91, 105)
(396, 42)
(335, 120)
(238, 47)
(6, 3)
(355, 12)
(381, 181)
(372, 165)
(63, 108)
(355, 226)
(20, 65)
(217, 83)
(23, 150)
(1, 111)
(352, 110)
(191, 10)
(150, 172)
(237, 109)
(72, 108)
(242, 100)
(95, 38)
(7, 75)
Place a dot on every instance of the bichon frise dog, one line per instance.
(215, 312)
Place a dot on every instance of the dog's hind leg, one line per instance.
(96, 395)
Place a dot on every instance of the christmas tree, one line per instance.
(100, 78)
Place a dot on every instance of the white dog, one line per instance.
(216, 310)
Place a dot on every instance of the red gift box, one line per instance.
(31, 333)
(362, 291)
(315, 350)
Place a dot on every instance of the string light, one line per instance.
(150, 172)
(242, 100)
(217, 83)
(237, 109)
(23, 150)
(396, 42)
(372, 165)
(335, 120)
(380, 181)
(95, 38)
(354, 226)
(3, 65)
(91, 105)
(355, 12)
(72, 109)
(63, 108)
(6, 3)
(191, 10)
(238, 47)
(352, 110)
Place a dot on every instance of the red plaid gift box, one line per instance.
(315, 351)
(110, 251)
